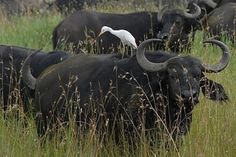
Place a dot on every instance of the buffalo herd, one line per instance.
(173, 25)
(115, 94)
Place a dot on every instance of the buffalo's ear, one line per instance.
(213, 90)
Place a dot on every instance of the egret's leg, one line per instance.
(132, 52)
(123, 50)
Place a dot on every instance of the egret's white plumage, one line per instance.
(125, 36)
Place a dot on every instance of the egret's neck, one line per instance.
(114, 32)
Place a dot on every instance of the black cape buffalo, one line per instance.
(84, 26)
(176, 26)
(81, 29)
(110, 94)
(221, 22)
(206, 5)
(13, 90)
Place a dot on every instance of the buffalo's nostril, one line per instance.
(185, 95)
(195, 95)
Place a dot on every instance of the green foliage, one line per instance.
(29, 31)
(212, 132)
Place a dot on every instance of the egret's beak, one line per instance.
(100, 33)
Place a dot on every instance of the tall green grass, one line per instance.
(213, 130)
(29, 31)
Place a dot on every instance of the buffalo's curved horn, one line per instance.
(210, 3)
(27, 77)
(195, 14)
(144, 62)
(222, 64)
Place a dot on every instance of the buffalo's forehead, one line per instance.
(184, 65)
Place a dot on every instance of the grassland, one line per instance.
(212, 134)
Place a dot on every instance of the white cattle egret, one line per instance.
(125, 36)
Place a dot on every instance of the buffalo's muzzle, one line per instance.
(189, 96)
